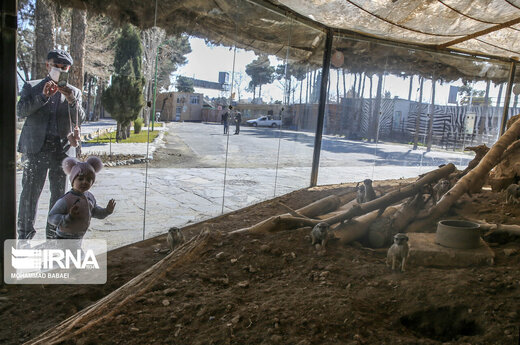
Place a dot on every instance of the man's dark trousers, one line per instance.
(34, 176)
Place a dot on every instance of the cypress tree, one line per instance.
(124, 99)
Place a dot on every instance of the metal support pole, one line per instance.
(8, 125)
(508, 97)
(321, 107)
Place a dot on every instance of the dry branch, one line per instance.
(286, 221)
(291, 211)
(108, 306)
(393, 197)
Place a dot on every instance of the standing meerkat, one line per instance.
(369, 190)
(360, 198)
(175, 238)
(320, 234)
(442, 187)
(398, 252)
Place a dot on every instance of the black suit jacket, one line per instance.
(36, 109)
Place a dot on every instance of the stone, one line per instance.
(425, 252)
(243, 284)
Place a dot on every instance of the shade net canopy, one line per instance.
(382, 33)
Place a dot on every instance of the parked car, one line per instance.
(264, 121)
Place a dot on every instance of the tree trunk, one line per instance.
(377, 108)
(430, 122)
(497, 108)
(395, 196)
(307, 87)
(362, 94)
(45, 39)
(77, 46)
(370, 109)
(418, 119)
(475, 177)
(301, 90)
(118, 132)
(344, 83)
(484, 115)
(337, 86)
(354, 87)
(99, 93)
(88, 97)
(410, 88)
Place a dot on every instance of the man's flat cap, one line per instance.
(60, 56)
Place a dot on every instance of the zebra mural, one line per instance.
(451, 128)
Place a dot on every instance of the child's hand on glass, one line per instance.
(111, 205)
(74, 211)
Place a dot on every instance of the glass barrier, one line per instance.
(299, 114)
(400, 119)
(80, 91)
(189, 128)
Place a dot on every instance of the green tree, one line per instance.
(469, 93)
(261, 73)
(297, 72)
(25, 37)
(124, 97)
(184, 84)
(172, 54)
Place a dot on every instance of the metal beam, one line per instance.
(510, 82)
(8, 125)
(321, 108)
(480, 33)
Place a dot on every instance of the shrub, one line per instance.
(138, 124)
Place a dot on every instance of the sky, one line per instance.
(205, 62)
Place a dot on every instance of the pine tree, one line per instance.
(124, 99)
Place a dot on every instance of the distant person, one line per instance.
(238, 120)
(225, 121)
(52, 113)
(72, 213)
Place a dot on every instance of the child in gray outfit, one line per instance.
(72, 212)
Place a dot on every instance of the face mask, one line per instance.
(55, 74)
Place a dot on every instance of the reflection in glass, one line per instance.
(406, 111)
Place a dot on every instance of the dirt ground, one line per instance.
(277, 289)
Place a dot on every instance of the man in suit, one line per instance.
(50, 112)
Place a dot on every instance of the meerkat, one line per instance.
(398, 252)
(513, 194)
(360, 198)
(369, 190)
(320, 234)
(440, 188)
(175, 238)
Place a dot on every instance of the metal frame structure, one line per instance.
(8, 96)
(8, 124)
